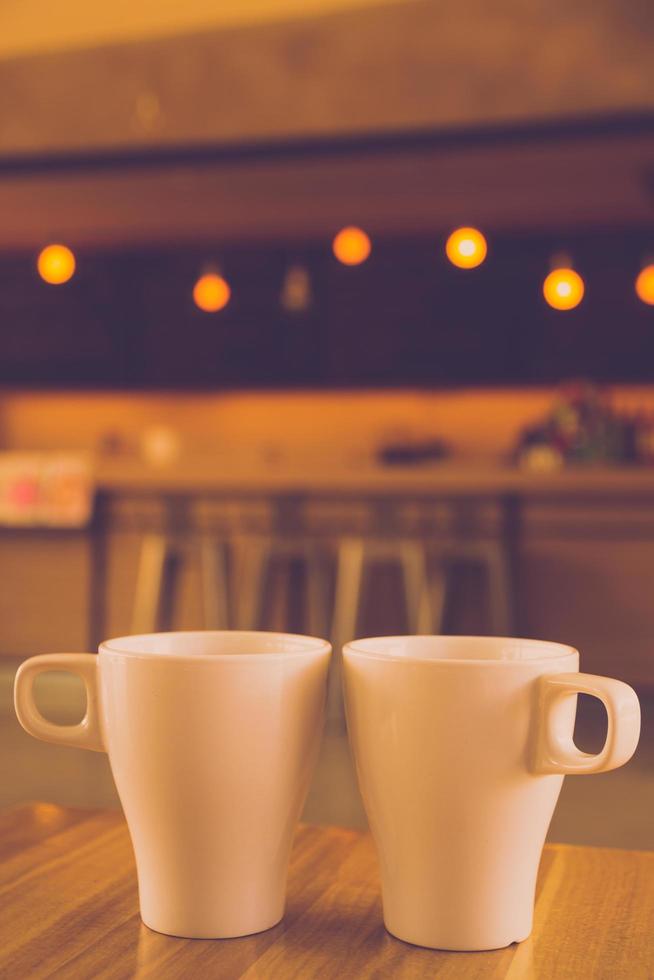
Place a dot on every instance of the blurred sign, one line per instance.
(45, 490)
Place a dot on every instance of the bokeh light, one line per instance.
(351, 246)
(563, 289)
(56, 264)
(466, 248)
(645, 285)
(211, 292)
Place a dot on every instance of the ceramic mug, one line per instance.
(212, 738)
(461, 745)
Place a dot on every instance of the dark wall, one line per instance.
(405, 317)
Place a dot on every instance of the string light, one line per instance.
(645, 284)
(466, 248)
(211, 292)
(351, 246)
(563, 288)
(56, 264)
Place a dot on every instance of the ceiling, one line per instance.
(357, 68)
(28, 26)
(148, 121)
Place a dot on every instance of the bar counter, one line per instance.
(198, 475)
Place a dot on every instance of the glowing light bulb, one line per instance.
(211, 292)
(351, 246)
(56, 264)
(645, 285)
(466, 248)
(563, 289)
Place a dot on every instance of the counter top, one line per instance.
(203, 475)
(70, 908)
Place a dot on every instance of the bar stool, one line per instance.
(428, 541)
(254, 559)
(475, 531)
(157, 520)
(338, 542)
(290, 537)
(423, 587)
(200, 531)
(161, 561)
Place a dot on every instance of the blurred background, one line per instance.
(334, 316)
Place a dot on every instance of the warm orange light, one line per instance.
(351, 246)
(211, 292)
(466, 248)
(645, 285)
(56, 264)
(563, 289)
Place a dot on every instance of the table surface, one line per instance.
(69, 908)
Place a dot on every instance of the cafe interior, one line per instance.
(333, 317)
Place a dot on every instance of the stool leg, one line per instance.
(98, 571)
(500, 590)
(155, 553)
(317, 594)
(416, 592)
(213, 565)
(277, 590)
(438, 588)
(253, 559)
(347, 601)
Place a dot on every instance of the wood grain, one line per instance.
(68, 893)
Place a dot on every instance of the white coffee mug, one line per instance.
(461, 745)
(211, 737)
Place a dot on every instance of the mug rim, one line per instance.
(558, 651)
(301, 646)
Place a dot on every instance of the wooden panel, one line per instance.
(70, 907)
(587, 578)
(44, 598)
(609, 517)
(580, 174)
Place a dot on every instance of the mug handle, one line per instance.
(555, 750)
(86, 734)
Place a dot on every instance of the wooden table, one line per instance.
(69, 908)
